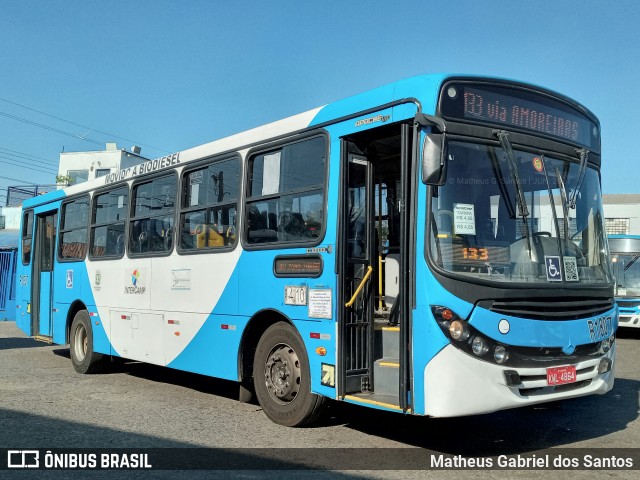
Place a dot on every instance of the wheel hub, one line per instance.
(80, 343)
(282, 374)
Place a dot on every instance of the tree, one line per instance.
(64, 180)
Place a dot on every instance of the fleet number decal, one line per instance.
(600, 328)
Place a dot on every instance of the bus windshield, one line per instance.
(483, 227)
(625, 258)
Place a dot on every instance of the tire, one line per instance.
(281, 378)
(83, 358)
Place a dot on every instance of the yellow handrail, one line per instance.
(360, 287)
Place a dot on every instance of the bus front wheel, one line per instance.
(281, 378)
(83, 358)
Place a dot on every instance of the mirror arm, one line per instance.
(436, 123)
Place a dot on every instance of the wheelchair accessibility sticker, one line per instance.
(552, 266)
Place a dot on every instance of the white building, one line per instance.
(622, 213)
(82, 166)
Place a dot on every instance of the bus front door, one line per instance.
(357, 285)
(42, 278)
(375, 248)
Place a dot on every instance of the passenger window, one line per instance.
(286, 201)
(151, 223)
(107, 223)
(209, 206)
(27, 234)
(73, 229)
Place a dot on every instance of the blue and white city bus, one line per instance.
(625, 253)
(434, 247)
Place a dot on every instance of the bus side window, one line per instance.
(108, 217)
(151, 228)
(27, 234)
(209, 205)
(286, 193)
(138, 237)
(73, 229)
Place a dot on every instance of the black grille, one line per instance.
(551, 308)
(530, 392)
(628, 304)
(544, 357)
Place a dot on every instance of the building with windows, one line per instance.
(622, 213)
(79, 167)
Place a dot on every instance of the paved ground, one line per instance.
(45, 404)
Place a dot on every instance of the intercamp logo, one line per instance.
(23, 459)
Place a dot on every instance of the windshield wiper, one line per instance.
(523, 211)
(584, 153)
(633, 260)
(563, 196)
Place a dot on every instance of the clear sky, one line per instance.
(168, 75)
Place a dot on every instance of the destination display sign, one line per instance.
(519, 110)
(298, 266)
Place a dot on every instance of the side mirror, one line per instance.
(434, 166)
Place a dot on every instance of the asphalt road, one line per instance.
(44, 404)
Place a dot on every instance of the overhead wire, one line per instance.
(28, 161)
(34, 162)
(36, 168)
(19, 181)
(51, 129)
(27, 155)
(164, 150)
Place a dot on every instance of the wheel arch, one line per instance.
(254, 330)
(76, 306)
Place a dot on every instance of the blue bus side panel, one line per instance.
(72, 282)
(427, 337)
(24, 272)
(45, 304)
(215, 348)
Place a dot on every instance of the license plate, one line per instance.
(561, 375)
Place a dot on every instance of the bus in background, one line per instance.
(625, 253)
(434, 247)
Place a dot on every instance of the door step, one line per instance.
(387, 402)
(42, 338)
(388, 338)
(386, 375)
(386, 370)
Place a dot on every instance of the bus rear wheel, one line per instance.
(281, 378)
(83, 358)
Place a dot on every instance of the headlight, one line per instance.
(458, 330)
(479, 346)
(500, 354)
(606, 344)
(465, 337)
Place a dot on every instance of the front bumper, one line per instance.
(629, 320)
(458, 384)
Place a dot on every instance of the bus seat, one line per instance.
(292, 226)
(168, 238)
(120, 244)
(273, 221)
(215, 239)
(208, 236)
(230, 236)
